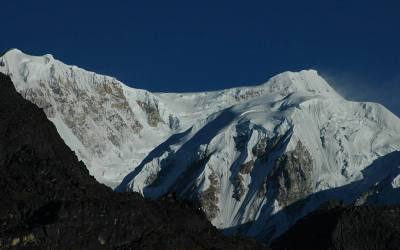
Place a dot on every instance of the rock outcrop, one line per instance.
(291, 176)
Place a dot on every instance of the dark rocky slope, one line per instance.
(344, 227)
(48, 200)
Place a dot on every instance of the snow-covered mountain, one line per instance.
(110, 126)
(255, 159)
(257, 166)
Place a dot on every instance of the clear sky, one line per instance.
(215, 44)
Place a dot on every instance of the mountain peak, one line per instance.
(16, 56)
(304, 81)
(13, 51)
(17, 52)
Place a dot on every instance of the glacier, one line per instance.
(253, 159)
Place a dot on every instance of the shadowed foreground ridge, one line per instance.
(344, 227)
(48, 200)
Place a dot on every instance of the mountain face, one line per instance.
(254, 159)
(109, 126)
(49, 200)
(257, 166)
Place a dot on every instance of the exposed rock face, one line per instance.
(247, 167)
(49, 200)
(260, 149)
(105, 107)
(209, 198)
(153, 114)
(239, 188)
(343, 227)
(247, 94)
(291, 177)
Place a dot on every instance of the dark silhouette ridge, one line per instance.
(344, 227)
(48, 200)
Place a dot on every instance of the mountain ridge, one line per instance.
(242, 154)
(47, 82)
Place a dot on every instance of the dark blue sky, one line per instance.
(205, 45)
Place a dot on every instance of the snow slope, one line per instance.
(110, 126)
(257, 165)
(254, 159)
